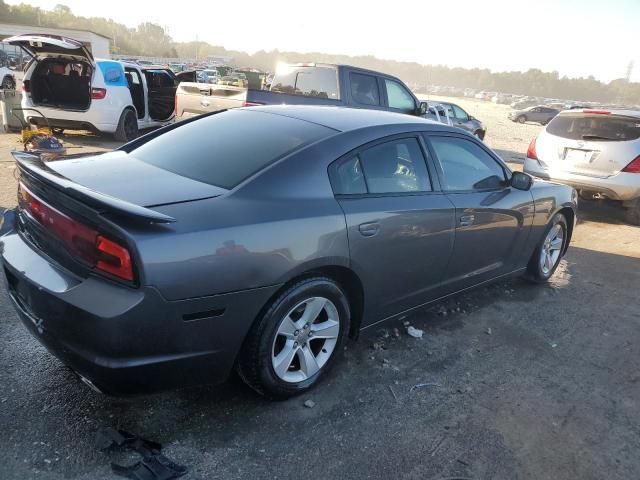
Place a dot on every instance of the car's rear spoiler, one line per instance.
(33, 166)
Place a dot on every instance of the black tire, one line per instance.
(255, 365)
(633, 212)
(8, 83)
(127, 126)
(535, 272)
(521, 119)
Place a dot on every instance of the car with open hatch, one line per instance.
(75, 91)
(264, 256)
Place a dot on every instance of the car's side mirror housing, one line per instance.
(521, 181)
(471, 118)
(423, 108)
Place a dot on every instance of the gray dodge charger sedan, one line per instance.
(259, 239)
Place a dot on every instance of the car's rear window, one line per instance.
(319, 82)
(226, 148)
(596, 127)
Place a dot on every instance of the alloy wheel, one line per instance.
(305, 339)
(551, 249)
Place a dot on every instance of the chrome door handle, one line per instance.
(466, 220)
(369, 229)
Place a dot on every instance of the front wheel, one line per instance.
(297, 339)
(547, 255)
(521, 119)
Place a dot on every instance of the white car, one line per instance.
(595, 151)
(75, 91)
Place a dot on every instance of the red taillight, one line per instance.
(531, 151)
(597, 112)
(251, 104)
(114, 258)
(98, 93)
(634, 166)
(81, 241)
(26, 86)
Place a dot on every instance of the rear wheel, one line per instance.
(633, 212)
(127, 126)
(547, 255)
(521, 119)
(297, 340)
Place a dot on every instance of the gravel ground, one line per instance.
(523, 382)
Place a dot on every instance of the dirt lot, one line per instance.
(523, 382)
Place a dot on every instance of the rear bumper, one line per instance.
(126, 340)
(623, 186)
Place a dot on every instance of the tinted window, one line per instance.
(394, 167)
(347, 177)
(398, 96)
(466, 166)
(595, 127)
(159, 79)
(364, 89)
(226, 148)
(310, 81)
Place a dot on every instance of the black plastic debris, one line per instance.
(153, 465)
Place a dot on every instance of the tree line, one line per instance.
(152, 40)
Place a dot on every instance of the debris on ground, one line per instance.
(153, 466)
(393, 393)
(423, 385)
(396, 333)
(489, 331)
(414, 332)
(309, 404)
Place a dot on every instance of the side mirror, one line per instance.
(471, 117)
(521, 181)
(423, 108)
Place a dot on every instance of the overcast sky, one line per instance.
(576, 38)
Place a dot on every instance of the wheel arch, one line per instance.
(345, 277)
(570, 215)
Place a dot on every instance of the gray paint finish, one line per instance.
(231, 253)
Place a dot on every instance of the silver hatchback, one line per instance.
(595, 151)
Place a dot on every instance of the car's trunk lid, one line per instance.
(590, 144)
(121, 176)
(42, 46)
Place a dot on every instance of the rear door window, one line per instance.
(226, 148)
(313, 81)
(395, 167)
(595, 127)
(364, 89)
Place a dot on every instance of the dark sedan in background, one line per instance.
(539, 114)
(258, 239)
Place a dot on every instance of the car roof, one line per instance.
(345, 119)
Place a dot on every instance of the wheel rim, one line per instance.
(305, 339)
(551, 249)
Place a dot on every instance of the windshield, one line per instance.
(603, 127)
(216, 150)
